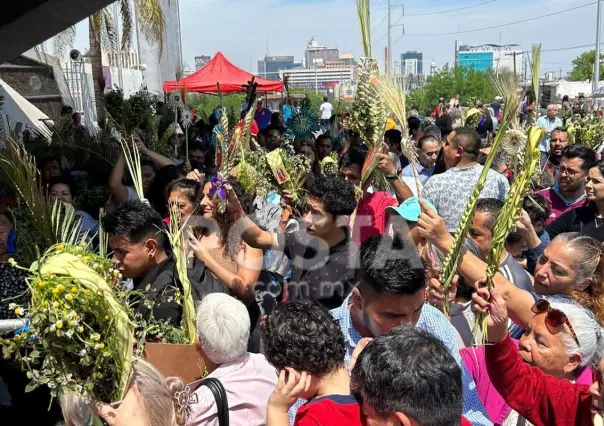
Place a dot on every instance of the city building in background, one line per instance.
(433, 67)
(201, 61)
(316, 56)
(489, 57)
(269, 66)
(412, 62)
(167, 64)
(319, 79)
(129, 59)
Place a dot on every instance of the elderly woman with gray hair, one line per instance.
(565, 351)
(223, 330)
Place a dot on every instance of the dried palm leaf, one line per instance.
(535, 62)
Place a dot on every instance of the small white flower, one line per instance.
(12, 306)
(95, 266)
(53, 328)
(83, 352)
(69, 332)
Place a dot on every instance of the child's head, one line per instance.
(304, 336)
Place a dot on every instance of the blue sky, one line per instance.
(241, 28)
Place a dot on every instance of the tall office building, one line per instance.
(201, 61)
(269, 66)
(167, 65)
(316, 56)
(412, 62)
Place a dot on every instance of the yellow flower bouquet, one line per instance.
(79, 337)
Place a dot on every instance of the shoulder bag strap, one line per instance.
(220, 395)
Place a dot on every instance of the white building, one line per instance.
(410, 67)
(168, 65)
(129, 59)
(320, 79)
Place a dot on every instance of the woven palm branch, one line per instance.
(368, 114)
(176, 237)
(302, 125)
(507, 216)
(450, 264)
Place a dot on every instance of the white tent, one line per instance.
(18, 114)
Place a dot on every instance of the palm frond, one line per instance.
(505, 84)
(365, 25)
(535, 62)
(507, 215)
(103, 29)
(151, 21)
(176, 237)
(133, 161)
(450, 264)
(64, 40)
(103, 236)
(127, 23)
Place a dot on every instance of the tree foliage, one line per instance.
(448, 82)
(583, 66)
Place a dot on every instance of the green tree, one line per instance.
(583, 66)
(450, 81)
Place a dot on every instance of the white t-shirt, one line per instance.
(326, 109)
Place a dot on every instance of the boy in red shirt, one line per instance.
(305, 343)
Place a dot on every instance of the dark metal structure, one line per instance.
(27, 23)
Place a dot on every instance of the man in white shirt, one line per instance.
(326, 109)
(548, 123)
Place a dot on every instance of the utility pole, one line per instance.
(596, 79)
(390, 25)
(515, 74)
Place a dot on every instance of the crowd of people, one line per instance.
(333, 314)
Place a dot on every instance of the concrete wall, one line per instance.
(164, 67)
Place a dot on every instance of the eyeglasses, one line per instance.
(554, 318)
(569, 172)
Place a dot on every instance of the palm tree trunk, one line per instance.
(97, 72)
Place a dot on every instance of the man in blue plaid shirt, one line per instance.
(389, 294)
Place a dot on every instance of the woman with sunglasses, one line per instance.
(538, 396)
(562, 340)
(589, 218)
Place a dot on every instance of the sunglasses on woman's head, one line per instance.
(554, 318)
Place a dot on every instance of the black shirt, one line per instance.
(318, 272)
(581, 219)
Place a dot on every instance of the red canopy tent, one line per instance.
(220, 70)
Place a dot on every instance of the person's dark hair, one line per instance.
(147, 161)
(491, 208)
(135, 221)
(410, 371)
(323, 136)
(338, 195)
(414, 124)
(600, 166)
(425, 139)
(513, 238)
(433, 130)
(587, 155)
(469, 140)
(48, 159)
(305, 336)
(189, 187)
(157, 193)
(356, 156)
(391, 265)
(8, 213)
(75, 114)
(325, 99)
(565, 98)
(195, 146)
(65, 180)
(536, 207)
(394, 136)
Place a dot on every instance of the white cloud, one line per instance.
(241, 28)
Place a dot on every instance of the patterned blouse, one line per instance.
(13, 289)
